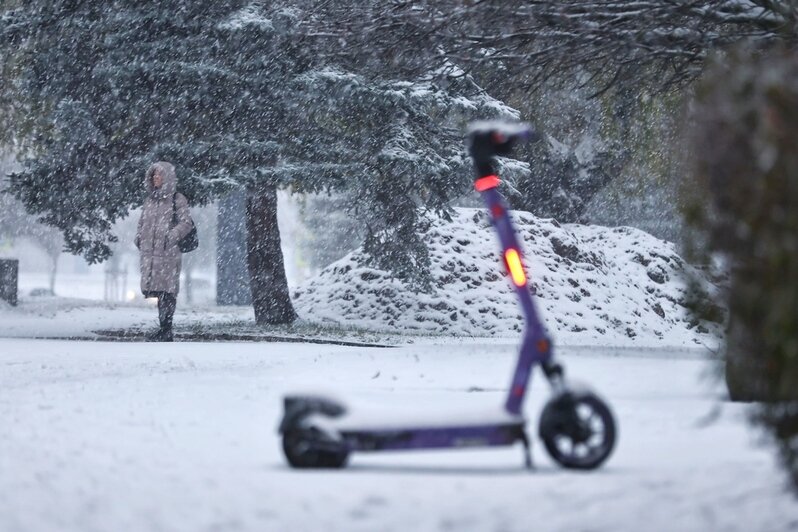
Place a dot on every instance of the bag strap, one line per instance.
(174, 209)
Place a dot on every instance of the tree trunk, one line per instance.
(232, 279)
(188, 267)
(53, 270)
(267, 278)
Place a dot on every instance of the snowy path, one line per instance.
(115, 436)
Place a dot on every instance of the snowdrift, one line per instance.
(595, 285)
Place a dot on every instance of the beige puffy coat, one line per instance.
(157, 235)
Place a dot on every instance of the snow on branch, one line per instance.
(662, 42)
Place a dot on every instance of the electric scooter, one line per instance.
(576, 426)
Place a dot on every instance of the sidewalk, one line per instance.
(58, 318)
(85, 319)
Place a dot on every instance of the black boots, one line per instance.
(167, 303)
(161, 335)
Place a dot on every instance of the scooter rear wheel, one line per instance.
(307, 448)
(578, 430)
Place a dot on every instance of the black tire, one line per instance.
(578, 430)
(308, 448)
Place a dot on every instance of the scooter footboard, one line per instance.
(433, 438)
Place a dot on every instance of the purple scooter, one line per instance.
(576, 426)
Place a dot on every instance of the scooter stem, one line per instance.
(484, 144)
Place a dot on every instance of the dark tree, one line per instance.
(559, 185)
(651, 42)
(237, 95)
(265, 259)
(112, 88)
(743, 202)
(407, 137)
(619, 51)
(232, 278)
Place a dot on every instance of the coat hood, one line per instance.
(169, 186)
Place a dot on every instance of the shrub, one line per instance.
(744, 205)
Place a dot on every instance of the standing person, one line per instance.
(165, 219)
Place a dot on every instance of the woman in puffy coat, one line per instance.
(165, 219)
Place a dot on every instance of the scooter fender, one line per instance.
(298, 407)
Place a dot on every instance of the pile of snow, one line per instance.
(594, 285)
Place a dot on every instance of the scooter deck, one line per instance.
(362, 432)
(433, 437)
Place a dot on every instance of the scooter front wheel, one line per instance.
(578, 430)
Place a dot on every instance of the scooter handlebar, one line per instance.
(486, 140)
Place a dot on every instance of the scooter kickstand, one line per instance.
(527, 451)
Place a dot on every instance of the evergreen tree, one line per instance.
(408, 139)
(237, 95)
(114, 87)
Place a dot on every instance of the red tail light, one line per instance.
(485, 183)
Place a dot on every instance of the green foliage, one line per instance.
(105, 90)
(407, 137)
(611, 158)
(743, 200)
(235, 94)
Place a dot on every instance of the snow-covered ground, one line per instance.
(66, 318)
(98, 436)
(61, 317)
(153, 437)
